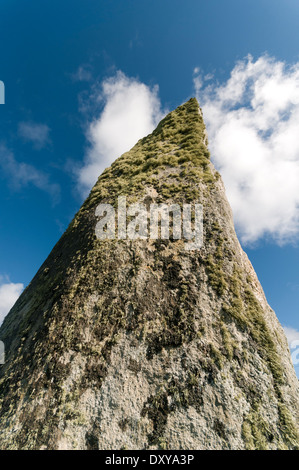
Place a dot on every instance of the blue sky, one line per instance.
(67, 64)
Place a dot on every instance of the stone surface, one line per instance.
(121, 344)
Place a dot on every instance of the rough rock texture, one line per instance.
(122, 344)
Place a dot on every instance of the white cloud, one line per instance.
(21, 174)
(38, 134)
(130, 110)
(253, 126)
(9, 293)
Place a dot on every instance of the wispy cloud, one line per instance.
(9, 293)
(129, 110)
(37, 134)
(82, 74)
(252, 121)
(20, 174)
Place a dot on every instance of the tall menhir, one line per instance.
(141, 344)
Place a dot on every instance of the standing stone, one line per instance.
(141, 344)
